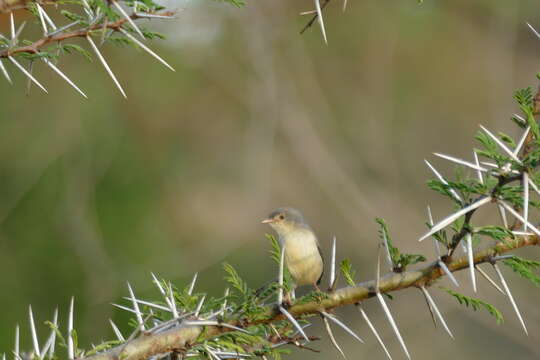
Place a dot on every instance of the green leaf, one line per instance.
(475, 304)
(495, 232)
(234, 279)
(525, 268)
(399, 261)
(69, 48)
(237, 3)
(348, 272)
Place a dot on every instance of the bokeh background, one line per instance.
(175, 180)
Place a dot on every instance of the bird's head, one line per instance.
(285, 220)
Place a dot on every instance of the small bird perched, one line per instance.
(302, 252)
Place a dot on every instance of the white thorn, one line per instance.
(502, 213)
(294, 322)
(448, 273)
(374, 331)
(435, 241)
(501, 144)
(136, 307)
(63, 76)
(162, 291)
(504, 170)
(490, 280)
(332, 338)
(333, 265)
(533, 185)
(470, 255)
(147, 49)
(16, 348)
(443, 180)
(478, 172)
(171, 301)
(509, 294)
(150, 304)
(387, 251)
(321, 21)
(49, 345)
(33, 332)
(192, 285)
(533, 30)
(128, 18)
(70, 349)
(25, 72)
(393, 324)
(344, 5)
(4, 71)
(41, 19)
(199, 306)
(117, 332)
(516, 214)
(342, 325)
(436, 309)
(280, 276)
(12, 25)
(525, 200)
(453, 217)
(105, 65)
(522, 140)
(461, 162)
(224, 305)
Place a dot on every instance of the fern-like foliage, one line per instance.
(524, 267)
(476, 304)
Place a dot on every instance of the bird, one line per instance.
(303, 256)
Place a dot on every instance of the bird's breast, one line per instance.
(302, 257)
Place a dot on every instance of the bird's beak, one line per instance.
(267, 221)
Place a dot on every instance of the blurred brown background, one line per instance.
(175, 180)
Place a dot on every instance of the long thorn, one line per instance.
(470, 256)
(393, 324)
(435, 241)
(436, 309)
(533, 185)
(321, 21)
(146, 48)
(332, 338)
(41, 19)
(522, 140)
(4, 71)
(294, 322)
(516, 214)
(128, 18)
(374, 331)
(16, 349)
(502, 213)
(509, 294)
(117, 332)
(280, 276)
(199, 306)
(332, 279)
(443, 180)
(533, 30)
(105, 65)
(49, 345)
(12, 25)
(63, 76)
(453, 217)
(25, 72)
(70, 349)
(224, 305)
(138, 313)
(490, 280)
(448, 273)
(525, 199)
(342, 325)
(150, 304)
(192, 285)
(478, 172)
(461, 162)
(33, 332)
(501, 144)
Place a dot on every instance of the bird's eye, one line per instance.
(281, 217)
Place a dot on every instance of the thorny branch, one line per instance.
(183, 337)
(38, 44)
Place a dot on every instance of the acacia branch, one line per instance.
(180, 339)
(35, 47)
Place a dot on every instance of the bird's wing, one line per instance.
(322, 258)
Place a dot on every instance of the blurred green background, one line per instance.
(175, 180)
